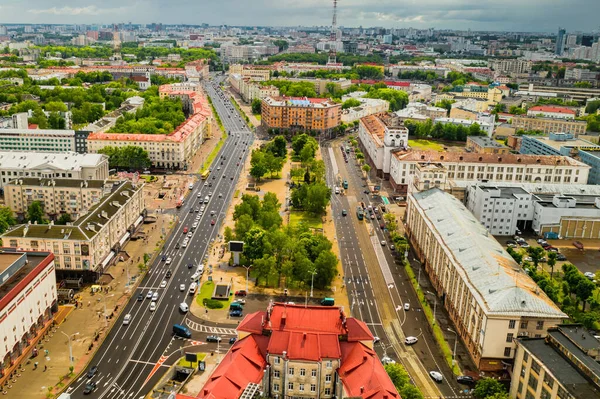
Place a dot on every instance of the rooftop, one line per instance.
(284, 101)
(544, 188)
(486, 142)
(495, 280)
(71, 183)
(43, 160)
(558, 144)
(551, 109)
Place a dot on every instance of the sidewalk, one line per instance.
(84, 323)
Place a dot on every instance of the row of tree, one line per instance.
(127, 158)
(157, 116)
(449, 132)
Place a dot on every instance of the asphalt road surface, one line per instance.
(128, 356)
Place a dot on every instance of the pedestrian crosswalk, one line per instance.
(192, 325)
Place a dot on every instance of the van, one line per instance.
(192, 289)
(328, 302)
(236, 306)
(337, 190)
(191, 186)
(181, 331)
(184, 307)
(206, 199)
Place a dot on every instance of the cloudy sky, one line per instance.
(514, 15)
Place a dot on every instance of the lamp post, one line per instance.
(104, 303)
(247, 273)
(312, 280)
(434, 304)
(69, 342)
(455, 341)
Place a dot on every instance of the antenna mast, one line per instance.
(333, 38)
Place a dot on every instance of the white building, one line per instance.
(28, 296)
(15, 121)
(485, 123)
(48, 165)
(489, 298)
(547, 111)
(378, 136)
(420, 112)
(368, 106)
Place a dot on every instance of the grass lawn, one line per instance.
(425, 145)
(206, 291)
(297, 217)
(257, 116)
(184, 363)
(211, 157)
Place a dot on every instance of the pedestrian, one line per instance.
(45, 367)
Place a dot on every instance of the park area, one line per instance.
(434, 145)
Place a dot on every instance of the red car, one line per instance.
(241, 293)
(212, 222)
(185, 230)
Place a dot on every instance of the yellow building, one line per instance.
(549, 125)
(485, 145)
(292, 113)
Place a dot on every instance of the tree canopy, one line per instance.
(156, 116)
(128, 157)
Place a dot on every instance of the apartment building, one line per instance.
(87, 247)
(15, 121)
(546, 111)
(581, 74)
(489, 298)
(249, 89)
(549, 125)
(58, 196)
(300, 113)
(485, 145)
(368, 106)
(510, 66)
(170, 151)
(45, 140)
(378, 136)
(252, 72)
(563, 365)
(471, 90)
(28, 299)
(293, 351)
(485, 123)
(471, 167)
(43, 165)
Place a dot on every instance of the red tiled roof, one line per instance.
(358, 330)
(362, 374)
(305, 346)
(32, 126)
(243, 364)
(138, 78)
(556, 110)
(307, 319)
(252, 323)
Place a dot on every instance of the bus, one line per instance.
(359, 213)
(180, 202)
(205, 174)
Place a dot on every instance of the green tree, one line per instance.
(487, 387)
(278, 146)
(128, 157)
(397, 99)
(317, 198)
(256, 106)
(64, 219)
(536, 254)
(517, 256)
(350, 103)
(55, 106)
(397, 374)
(366, 168)
(6, 218)
(35, 212)
(409, 391)
(55, 121)
(516, 110)
(552, 262)
(258, 164)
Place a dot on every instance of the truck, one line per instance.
(181, 331)
(180, 202)
(360, 213)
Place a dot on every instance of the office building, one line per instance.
(45, 140)
(57, 196)
(250, 71)
(15, 165)
(85, 248)
(560, 41)
(489, 298)
(510, 66)
(563, 365)
(293, 351)
(300, 113)
(28, 299)
(378, 136)
(472, 167)
(549, 125)
(485, 145)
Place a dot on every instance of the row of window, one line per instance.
(313, 388)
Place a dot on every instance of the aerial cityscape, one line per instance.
(292, 200)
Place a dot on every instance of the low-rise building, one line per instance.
(85, 248)
(489, 298)
(368, 106)
(564, 364)
(300, 351)
(57, 196)
(485, 123)
(549, 125)
(547, 111)
(28, 299)
(300, 113)
(14, 165)
(421, 112)
(485, 145)
(378, 136)
(252, 72)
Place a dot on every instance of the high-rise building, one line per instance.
(587, 40)
(560, 41)
(571, 41)
(3, 30)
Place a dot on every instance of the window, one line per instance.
(327, 391)
(509, 337)
(301, 387)
(277, 360)
(276, 373)
(328, 378)
(562, 393)
(548, 380)
(539, 325)
(533, 382)
(520, 388)
(291, 386)
(302, 372)
(523, 325)
(525, 357)
(276, 387)
(507, 351)
(313, 388)
(291, 371)
(313, 373)
(535, 366)
(328, 364)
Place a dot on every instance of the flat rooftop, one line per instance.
(71, 183)
(486, 142)
(558, 144)
(7, 259)
(505, 192)
(34, 260)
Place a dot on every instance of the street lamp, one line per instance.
(434, 304)
(312, 280)
(455, 341)
(104, 303)
(247, 272)
(69, 342)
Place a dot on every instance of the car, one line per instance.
(383, 243)
(182, 287)
(213, 338)
(152, 306)
(89, 388)
(236, 313)
(376, 339)
(344, 212)
(185, 230)
(192, 289)
(366, 192)
(163, 284)
(149, 295)
(140, 297)
(163, 258)
(527, 259)
(205, 184)
(231, 178)
(407, 306)
(561, 257)
(241, 293)
(393, 247)
(167, 275)
(382, 225)
(190, 265)
(224, 176)
(238, 164)
(169, 260)
(218, 167)
(190, 235)
(437, 376)
(540, 240)
(410, 340)
(241, 301)
(184, 307)
(378, 217)
(92, 372)
(589, 275)
(126, 319)
(210, 193)
(155, 297)
(212, 222)
(465, 380)
(191, 210)
(232, 340)
(552, 249)
(523, 244)
(197, 210)
(177, 246)
(220, 195)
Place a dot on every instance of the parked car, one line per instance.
(236, 313)
(241, 293)
(410, 340)
(561, 257)
(465, 380)
(437, 376)
(232, 340)
(168, 275)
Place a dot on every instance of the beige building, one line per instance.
(300, 113)
(485, 145)
(489, 298)
(58, 196)
(88, 245)
(249, 89)
(563, 365)
(248, 71)
(549, 125)
(510, 66)
(378, 136)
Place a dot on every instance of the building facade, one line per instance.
(511, 66)
(87, 246)
(546, 111)
(318, 114)
(549, 125)
(379, 135)
(15, 165)
(489, 298)
(485, 145)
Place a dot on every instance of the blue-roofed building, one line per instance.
(568, 145)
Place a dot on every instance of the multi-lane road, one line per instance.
(127, 359)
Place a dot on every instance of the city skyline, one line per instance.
(440, 14)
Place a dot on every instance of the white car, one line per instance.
(195, 225)
(184, 307)
(376, 339)
(199, 195)
(169, 260)
(155, 297)
(181, 287)
(163, 284)
(437, 376)
(152, 306)
(410, 340)
(184, 244)
(196, 275)
(407, 306)
(126, 319)
(190, 235)
(149, 295)
(192, 289)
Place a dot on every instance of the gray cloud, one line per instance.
(517, 15)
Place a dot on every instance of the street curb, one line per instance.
(97, 347)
